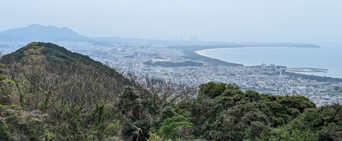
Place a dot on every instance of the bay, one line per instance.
(328, 56)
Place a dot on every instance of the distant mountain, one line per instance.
(37, 32)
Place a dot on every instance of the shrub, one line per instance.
(172, 127)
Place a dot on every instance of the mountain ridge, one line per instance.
(40, 33)
(35, 32)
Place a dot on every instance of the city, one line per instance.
(133, 56)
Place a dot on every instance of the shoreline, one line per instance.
(302, 74)
(190, 51)
(190, 54)
(202, 51)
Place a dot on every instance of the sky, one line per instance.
(208, 20)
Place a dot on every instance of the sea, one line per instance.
(328, 56)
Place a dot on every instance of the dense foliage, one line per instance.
(286, 108)
(48, 93)
(224, 112)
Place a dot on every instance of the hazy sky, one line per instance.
(215, 20)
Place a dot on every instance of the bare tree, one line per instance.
(162, 93)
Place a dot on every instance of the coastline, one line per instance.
(290, 73)
(189, 50)
(201, 52)
(190, 54)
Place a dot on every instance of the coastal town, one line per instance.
(159, 61)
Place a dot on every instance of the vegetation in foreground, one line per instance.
(48, 93)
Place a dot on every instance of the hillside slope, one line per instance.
(50, 93)
(64, 58)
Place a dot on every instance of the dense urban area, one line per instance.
(159, 61)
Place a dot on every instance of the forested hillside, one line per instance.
(49, 93)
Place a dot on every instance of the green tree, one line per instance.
(325, 122)
(172, 127)
(135, 114)
(5, 86)
(4, 134)
(286, 108)
(224, 112)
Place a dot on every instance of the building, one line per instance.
(263, 66)
(272, 67)
(130, 65)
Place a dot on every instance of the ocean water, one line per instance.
(328, 56)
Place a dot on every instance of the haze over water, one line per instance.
(327, 57)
